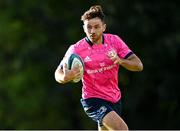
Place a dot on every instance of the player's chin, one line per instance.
(93, 40)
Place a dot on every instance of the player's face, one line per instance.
(94, 29)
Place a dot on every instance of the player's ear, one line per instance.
(104, 27)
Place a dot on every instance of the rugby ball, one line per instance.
(73, 61)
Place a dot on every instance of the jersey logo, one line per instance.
(112, 53)
(101, 110)
(87, 59)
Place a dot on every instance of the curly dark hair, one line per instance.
(94, 11)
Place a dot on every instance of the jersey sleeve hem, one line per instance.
(130, 53)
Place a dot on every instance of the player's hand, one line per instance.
(114, 57)
(71, 74)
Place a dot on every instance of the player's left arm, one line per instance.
(132, 63)
(124, 56)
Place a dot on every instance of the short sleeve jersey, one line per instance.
(100, 79)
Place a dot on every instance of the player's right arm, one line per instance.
(64, 75)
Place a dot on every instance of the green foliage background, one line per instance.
(34, 35)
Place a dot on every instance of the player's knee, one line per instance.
(121, 126)
(124, 127)
(118, 126)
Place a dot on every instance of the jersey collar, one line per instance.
(90, 43)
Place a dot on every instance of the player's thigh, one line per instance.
(113, 121)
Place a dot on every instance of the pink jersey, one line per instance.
(100, 78)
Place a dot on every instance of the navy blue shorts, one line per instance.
(97, 108)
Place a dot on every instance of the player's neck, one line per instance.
(99, 41)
